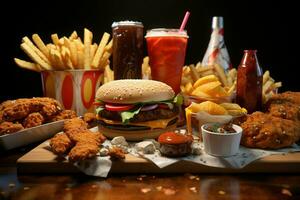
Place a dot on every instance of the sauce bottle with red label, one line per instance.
(249, 82)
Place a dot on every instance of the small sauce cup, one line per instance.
(221, 144)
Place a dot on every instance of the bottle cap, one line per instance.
(126, 23)
(217, 22)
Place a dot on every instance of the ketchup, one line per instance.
(249, 82)
(174, 138)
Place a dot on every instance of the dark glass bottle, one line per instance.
(249, 82)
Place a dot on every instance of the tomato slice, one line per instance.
(96, 103)
(113, 107)
(163, 106)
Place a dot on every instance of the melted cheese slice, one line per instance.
(188, 116)
(160, 123)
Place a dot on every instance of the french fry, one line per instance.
(108, 74)
(186, 70)
(207, 73)
(34, 56)
(73, 35)
(35, 49)
(189, 88)
(40, 44)
(146, 71)
(185, 80)
(65, 55)
(74, 54)
(104, 59)
(88, 36)
(182, 88)
(266, 76)
(109, 46)
(201, 69)
(58, 59)
(27, 65)
(93, 51)
(80, 57)
(232, 73)
(221, 74)
(267, 86)
(100, 50)
(276, 85)
(232, 89)
(194, 73)
(55, 39)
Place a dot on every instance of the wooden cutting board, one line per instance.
(41, 160)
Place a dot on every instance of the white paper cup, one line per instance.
(221, 144)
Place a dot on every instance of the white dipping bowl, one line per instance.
(221, 144)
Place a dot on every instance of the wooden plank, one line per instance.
(42, 160)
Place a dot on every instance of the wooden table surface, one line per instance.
(140, 186)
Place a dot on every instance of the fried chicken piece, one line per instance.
(83, 151)
(33, 119)
(65, 114)
(87, 136)
(61, 144)
(265, 131)
(6, 104)
(116, 153)
(90, 119)
(10, 127)
(21, 108)
(75, 123)
(86, 142)
(50, 107)
(293, 97)
(285, 110)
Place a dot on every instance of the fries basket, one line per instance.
(74, 89)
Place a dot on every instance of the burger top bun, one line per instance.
(129, 91)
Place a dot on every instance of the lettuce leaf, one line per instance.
(178, 100)
(99, 109)
(127, 115)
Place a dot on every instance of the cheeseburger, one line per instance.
(136, 109)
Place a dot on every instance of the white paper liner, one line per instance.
(244, 157)
(100, 166)
(205, 117)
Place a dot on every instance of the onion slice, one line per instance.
(149, 107)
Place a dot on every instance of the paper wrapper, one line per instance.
(244, 157)
(74, 89)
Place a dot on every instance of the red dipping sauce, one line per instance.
(174, 138)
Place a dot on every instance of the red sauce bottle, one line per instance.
(249, 82)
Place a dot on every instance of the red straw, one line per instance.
(185, 19)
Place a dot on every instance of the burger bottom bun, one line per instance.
(135, 135)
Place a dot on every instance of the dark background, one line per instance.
(268, 27)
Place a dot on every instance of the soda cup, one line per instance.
(166, 50)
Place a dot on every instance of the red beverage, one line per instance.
(166, 49)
